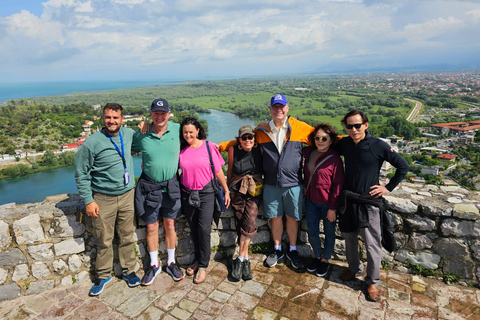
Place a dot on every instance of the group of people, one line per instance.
(268, 163)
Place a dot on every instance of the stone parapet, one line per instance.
(48, 244)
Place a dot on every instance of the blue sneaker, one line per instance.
(132, 279)
(99, 285)
(176, 273)
(150, 275)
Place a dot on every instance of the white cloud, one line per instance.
(84, 7)
(25, 25)
(206, 34)
(474, 14)
(90, 23)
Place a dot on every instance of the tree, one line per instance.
(49, 159)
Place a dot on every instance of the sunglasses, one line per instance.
(356, 125)
(324, 139)
(247, 137)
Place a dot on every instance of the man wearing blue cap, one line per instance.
(158, 191)
(281, 140)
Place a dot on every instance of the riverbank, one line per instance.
(36, 186)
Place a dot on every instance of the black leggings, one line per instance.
(200, 221)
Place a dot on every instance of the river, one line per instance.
(35, 187)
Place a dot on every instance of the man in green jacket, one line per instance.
(105, 181)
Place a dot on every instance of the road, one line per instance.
(415, 111)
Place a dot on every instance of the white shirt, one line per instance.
(279, 134)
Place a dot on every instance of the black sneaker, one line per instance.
(322, 269)
(312, 267)
(247, 270)
(132, 280)
(237, 266)
(150, 275)
(297, 263)
(273, 258)
(174, 270)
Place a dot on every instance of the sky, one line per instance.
(59, 40)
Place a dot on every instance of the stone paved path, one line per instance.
(277, 293)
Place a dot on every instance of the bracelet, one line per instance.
(228, 191)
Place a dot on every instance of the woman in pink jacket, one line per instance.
(323, 177)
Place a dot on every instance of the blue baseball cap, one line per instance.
(159, 105)
(278, 98)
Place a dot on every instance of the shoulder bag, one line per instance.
(219, 192)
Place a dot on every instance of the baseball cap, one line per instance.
(159, 105)
(246, 129)
(278, 98)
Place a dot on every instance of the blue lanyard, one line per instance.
(122, 154)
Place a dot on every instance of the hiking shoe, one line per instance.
(132, 279)
(273, 258)
(312, 267)
(247, 270)
(150, 275)
(322, 269)
(174, 270)
(237, 269)
(297, 263)
(99, 285)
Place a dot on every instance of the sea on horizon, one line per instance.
(19, 90)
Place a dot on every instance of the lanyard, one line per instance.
(122, 154)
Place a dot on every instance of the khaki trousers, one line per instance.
(116, 214)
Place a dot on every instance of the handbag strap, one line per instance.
(211, 166)
(318, 165)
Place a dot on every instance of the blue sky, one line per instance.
(197, 39)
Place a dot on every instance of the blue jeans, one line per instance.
(314, 212)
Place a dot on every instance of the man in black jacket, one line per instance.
(364, 156)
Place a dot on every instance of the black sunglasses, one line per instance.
(356, 125)
(247, 137)
(324, 139)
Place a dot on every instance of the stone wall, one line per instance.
(44, 245)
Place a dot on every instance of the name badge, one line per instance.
(126, 178)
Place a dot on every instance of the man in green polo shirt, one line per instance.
(158, 191)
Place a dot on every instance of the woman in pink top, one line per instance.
(198, 194)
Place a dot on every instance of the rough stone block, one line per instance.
(425, 259)
(456, 228)
(5, 238)
(40, 286)
(467, 211)
(40, 270)
(421, 223)
(41, 252)
(28, 230)
(437, 209)
(261, 237)
(3, 275)
(401, 205)
(20, 273)
(419, 242)
(66, 226)
(475, 247)
(74, 263)
(59, 266)
(12, 257)
(70, 246)
(9, 291)
(227, 238)
(460, 267)
(451, 247)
